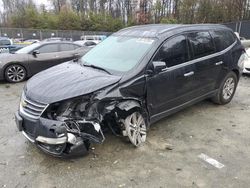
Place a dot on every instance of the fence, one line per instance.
(243, 28)
(43, 34)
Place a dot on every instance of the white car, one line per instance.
(247, 63)
(86, 43)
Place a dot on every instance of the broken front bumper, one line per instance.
(53, 138)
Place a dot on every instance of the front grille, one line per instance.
(31, 108)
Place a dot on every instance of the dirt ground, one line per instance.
(168, 159)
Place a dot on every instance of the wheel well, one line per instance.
(15, 63)
(237, 73)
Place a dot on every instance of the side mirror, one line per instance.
(35, 52)
(159, 66)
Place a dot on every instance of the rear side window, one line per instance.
(48, 48)
(67, 47)
(201, 44)
(222, 39)
(173, 52)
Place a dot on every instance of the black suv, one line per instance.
(129, 81)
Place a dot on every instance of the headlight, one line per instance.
(71, 108)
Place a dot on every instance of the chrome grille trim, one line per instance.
(31, 109)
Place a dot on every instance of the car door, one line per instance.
(68, 52)
(174, 85)
(223, 40)
(208, 63)
(46, 57)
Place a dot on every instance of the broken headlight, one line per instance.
(75, 108)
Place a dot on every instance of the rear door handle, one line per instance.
(219, 63)
(189, 74)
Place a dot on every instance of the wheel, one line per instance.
(227, 89)
(15, 73)
(136, 128)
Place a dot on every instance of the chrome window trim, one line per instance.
(200, 59)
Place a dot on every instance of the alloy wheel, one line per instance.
(228, 88)
(136, 128)
(15, 73)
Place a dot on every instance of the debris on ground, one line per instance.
(3, 163)
(122, 185)
(169, 147)
(23, 173)
(211, 161)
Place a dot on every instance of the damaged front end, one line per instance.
(64, 128)
(68, 127)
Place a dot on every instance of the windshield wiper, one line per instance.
(96, 67)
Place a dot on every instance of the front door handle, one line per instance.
(219, 63)
(189, 74)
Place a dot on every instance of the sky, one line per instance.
(37, 2)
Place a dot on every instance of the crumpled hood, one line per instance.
(66, 81)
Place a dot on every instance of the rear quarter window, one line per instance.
(223, 39)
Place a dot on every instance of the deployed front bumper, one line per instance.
(52, 137)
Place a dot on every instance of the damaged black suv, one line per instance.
(129, 81)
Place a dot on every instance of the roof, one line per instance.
(55, 42)
(154, 30)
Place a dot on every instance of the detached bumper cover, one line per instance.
(52, 137)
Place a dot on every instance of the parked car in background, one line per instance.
(57, 39)
(126, 83)
(246, 69)
(18, 40)
(86, 43)
(94, 38)
(35, 58)
(31, 41)
(7, 46)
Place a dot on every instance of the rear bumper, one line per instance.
(246, 70)
(50, 137)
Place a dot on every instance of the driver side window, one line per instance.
(173, 52)
(48, 48)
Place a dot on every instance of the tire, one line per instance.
(15, 73)
(136, 128)
(226, 90)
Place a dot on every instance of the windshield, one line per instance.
(27, 49)
(118, 53)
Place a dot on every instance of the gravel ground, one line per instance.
(168, 159)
